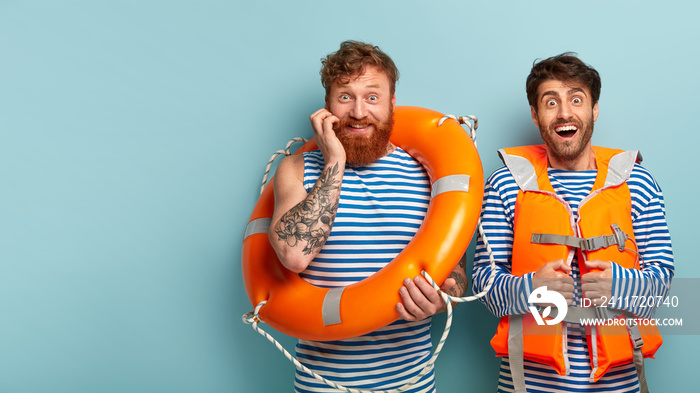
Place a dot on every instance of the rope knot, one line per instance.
(252, 318)
(249, 318)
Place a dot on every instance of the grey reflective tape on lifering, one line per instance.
(450, 183)
(331, 306)
(260, 225)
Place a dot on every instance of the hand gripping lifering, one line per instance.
(292, 306)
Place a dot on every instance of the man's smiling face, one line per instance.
(565, 115)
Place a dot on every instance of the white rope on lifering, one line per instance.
(253, 319)
(284, 151)
(469, 120)
(472, 123)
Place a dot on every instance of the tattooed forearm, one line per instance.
(309, 223)
(460, 287)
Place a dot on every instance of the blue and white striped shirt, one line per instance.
(381, 207)
(509, 293)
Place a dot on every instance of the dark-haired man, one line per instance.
(584, 224)
(346, 210)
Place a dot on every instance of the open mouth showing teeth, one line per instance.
(567, 131)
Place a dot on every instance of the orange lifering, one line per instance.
(296, 308)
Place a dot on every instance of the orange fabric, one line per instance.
(543, 212)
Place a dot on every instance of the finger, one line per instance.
(563, 266)
(328, 123)
(567, 292)
(423, 296)
(561, 282)
(318, 112)
(317, 119)
(554, 265)
(567, 289)
(319, 115)
(408, 299)
(594, 290)
(427, 290)
(404, 313)
(448, 284)
(592, 277)
(601, 284)
(598, 264)
(563, 277)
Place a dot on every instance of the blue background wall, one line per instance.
(133, 137)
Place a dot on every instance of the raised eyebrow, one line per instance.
(576, 90)
(549, 93)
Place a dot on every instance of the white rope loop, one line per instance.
(253, 319)
(284, 151)
(469, 120)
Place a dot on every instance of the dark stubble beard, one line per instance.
(567, 151)
(361, 150)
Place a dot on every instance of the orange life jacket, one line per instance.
(538, 210)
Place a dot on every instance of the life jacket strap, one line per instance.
(574, 315)
(586, 244)
(637, 355)
(581, 314)
(516, 354)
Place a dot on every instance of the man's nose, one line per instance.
(359, 110)
(565, 110)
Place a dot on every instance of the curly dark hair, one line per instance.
(351, 59)
(565, 67)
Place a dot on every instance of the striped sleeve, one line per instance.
(509, 293)
(654, 246)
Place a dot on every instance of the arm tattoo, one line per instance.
(310, 221)
(460, 288)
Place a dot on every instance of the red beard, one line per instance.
(362, 150)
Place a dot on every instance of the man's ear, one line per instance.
(595, 112)
(533, 113)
